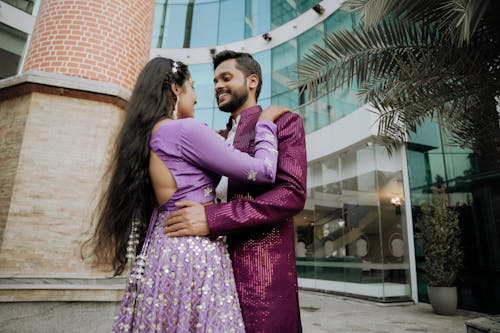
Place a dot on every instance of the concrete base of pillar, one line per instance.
(54, 289)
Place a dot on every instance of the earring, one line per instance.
(174, 116)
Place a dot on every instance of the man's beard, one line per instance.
(238, 98)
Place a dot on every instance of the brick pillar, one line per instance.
(58, 120)
(107, 41)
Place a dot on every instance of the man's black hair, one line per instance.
(244, 62)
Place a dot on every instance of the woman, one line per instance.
(177, 284)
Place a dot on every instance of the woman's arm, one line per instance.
(283, 201)
(206, 149)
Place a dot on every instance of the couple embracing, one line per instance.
(213, 258)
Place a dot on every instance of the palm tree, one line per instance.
(415, 60)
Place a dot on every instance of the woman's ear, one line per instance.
(175, 89)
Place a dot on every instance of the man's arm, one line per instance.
(287, 197)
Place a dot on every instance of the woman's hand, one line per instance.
(273, 112)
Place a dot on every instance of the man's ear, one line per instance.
(253, 81)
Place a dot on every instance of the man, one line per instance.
(257, 220)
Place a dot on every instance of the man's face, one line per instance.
(231, 88)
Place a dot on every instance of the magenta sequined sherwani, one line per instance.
(260, 230)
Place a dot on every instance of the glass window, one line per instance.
(175, 16)
(339, 20)
(205, 107)
(343, 102)
(203, 29)
(433, 161)
(336, 104)
(282, 12)
(305, 5)
(257, 17)
(352, 237)
(24, 5)
(309, 38)
(458, 161)
(264, 59)
(231, 21)
(284, 62)
(159, 23)
(11, 49)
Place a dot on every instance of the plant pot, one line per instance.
(443, 299)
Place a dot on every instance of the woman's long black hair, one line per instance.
(129, 195)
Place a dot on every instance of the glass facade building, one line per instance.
(350, 238)
(16, 24)
(474, 192)
(355, 235)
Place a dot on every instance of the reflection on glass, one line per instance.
(434, 161)
(278, 64)
(353, 238)
(203, 81)
(264, 59)
(282, 12)
(257, 17)
(284, 61)
(339, 20)
(305, 5)
(309, 38)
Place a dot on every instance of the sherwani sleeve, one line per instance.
(204, 148)
(283, 201)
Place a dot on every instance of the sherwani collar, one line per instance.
(244, 115)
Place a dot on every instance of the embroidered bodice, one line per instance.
(197, 156)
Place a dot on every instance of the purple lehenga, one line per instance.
(186, 284)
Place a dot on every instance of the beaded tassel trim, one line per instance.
(136, 263)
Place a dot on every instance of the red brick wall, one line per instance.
(107, 41)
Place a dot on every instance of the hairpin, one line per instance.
(175, 67)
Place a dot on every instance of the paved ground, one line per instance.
(321, 313)
(324, 313)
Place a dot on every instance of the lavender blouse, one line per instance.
(197, 156)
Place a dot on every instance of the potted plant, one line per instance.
(440, 238)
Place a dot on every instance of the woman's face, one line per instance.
(187, 100)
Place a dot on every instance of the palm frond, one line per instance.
(415, 60)
(460, 19)
(373, 12)
(438, 82)
(359, 55)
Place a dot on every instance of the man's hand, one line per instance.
(188, 221)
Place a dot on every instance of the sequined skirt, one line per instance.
(187, 286)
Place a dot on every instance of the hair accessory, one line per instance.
(175, 67)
